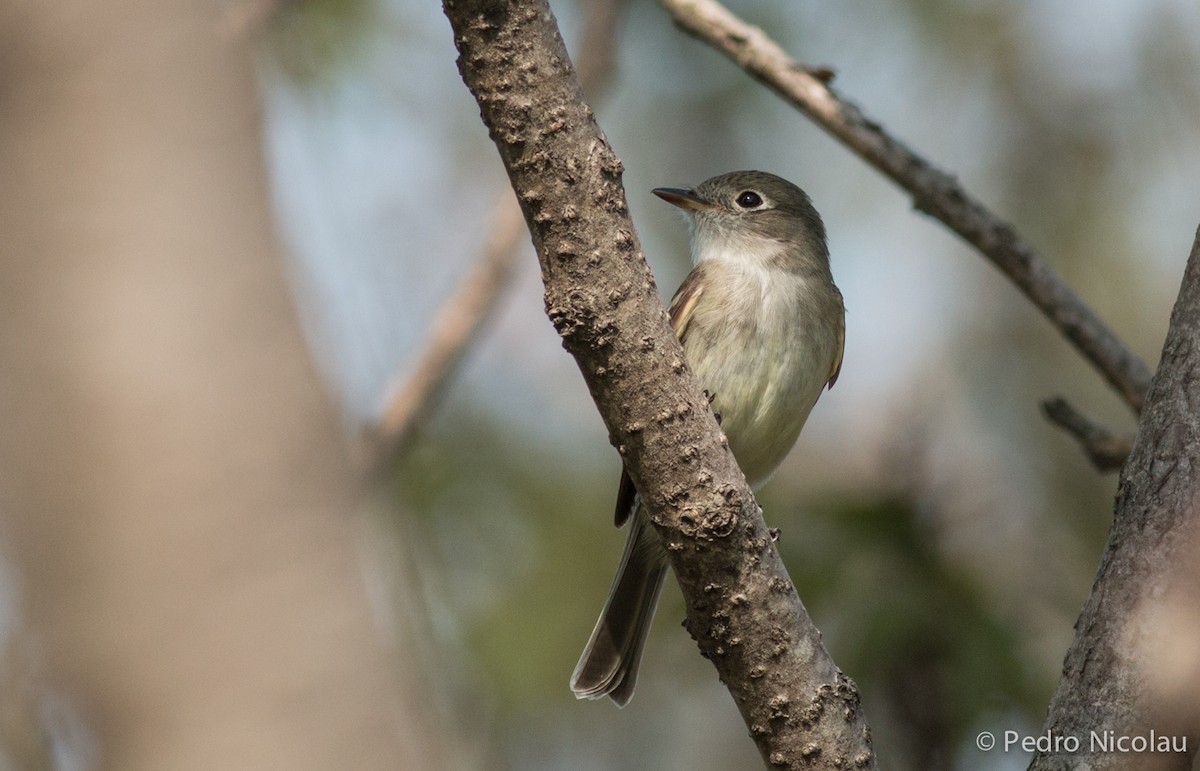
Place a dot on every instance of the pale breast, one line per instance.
(764, 343)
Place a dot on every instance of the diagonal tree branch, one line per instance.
(934, 191)
(742, 608)
(1131, 668)
(463, 315)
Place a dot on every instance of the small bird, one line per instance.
(762, 326)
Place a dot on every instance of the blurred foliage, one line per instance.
(521, 545)
(315, 42)
(917, 631)
(508, 518)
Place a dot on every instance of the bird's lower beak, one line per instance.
(684, 198)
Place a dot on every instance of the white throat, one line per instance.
(747, 250)
(750, 264)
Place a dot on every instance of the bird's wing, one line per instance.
(626, 499)
(837, 359)
(680, 313)
(683, 304)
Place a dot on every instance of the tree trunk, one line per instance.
(173, 491)
(1131, 673)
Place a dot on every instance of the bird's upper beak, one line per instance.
(684, 198)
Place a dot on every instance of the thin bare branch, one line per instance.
(934, 191)
(596, 63)
(456, 325)
(1106, 450)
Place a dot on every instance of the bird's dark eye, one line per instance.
(748, 199)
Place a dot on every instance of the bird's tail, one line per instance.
(609, 664)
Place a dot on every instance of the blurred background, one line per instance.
(170, 452)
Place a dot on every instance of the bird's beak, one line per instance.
(684, 198)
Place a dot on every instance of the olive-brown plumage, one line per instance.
(762, 326)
